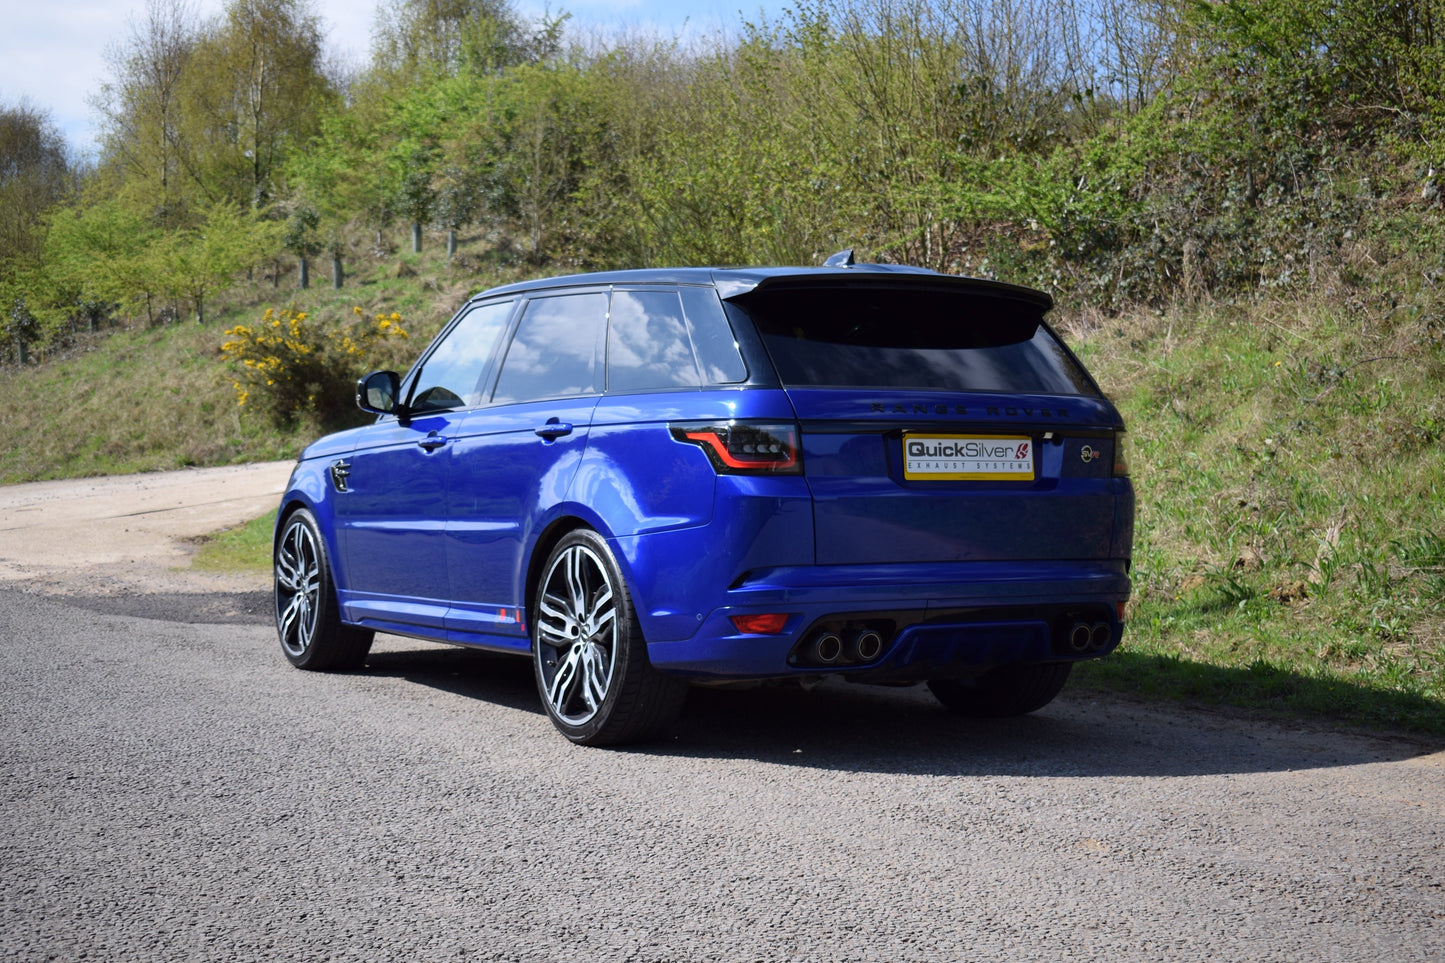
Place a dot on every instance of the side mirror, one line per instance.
(378, 392)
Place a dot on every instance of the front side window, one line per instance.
(647, 343)
(554, 353)
(451, 375)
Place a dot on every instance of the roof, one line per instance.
(738, 282)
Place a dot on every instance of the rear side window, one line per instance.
(717, 349)
(913, 339)
(647, 343)
(554, 352)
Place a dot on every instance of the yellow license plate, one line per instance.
(968, 457)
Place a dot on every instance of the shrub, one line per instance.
(291, 365)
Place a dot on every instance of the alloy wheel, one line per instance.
(577, 635)
(298, 587)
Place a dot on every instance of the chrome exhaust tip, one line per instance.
(868, 644)
(1099, 636)
(828, 648)
(1079, 637)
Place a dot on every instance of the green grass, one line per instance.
(141, 398)
(1290, 543)
(245, 548)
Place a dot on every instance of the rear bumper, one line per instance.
(937, 620)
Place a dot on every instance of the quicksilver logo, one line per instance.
(968, 449)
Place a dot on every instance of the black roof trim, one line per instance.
(736, 282)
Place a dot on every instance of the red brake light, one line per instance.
(770, 624)
(745, 448)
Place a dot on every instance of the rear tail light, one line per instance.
(746, 448)
(770, 624)
(1121, 455)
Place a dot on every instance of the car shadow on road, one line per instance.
(868, 729)
(505, 680)
(872, 729)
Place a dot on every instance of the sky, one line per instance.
(52, 52)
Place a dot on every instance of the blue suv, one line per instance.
(641, 479)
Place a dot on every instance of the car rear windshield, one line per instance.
(909, 338)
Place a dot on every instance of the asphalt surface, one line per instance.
(173, 790)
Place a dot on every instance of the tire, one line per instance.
(1010, 690)
(307, 621)
(589, 656)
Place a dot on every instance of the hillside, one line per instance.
(1287, 456)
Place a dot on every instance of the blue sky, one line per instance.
(52, 52)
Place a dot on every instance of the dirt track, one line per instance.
(130, 534)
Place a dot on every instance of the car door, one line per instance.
(514, 461)
(392, 515)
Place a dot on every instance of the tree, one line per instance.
(144, 130)
(419, 38)
(34, 175)
(300, 239)
(199, 263)
(258, 87)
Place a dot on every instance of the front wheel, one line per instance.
(1009, 690)
(588, 651)
(312, 635)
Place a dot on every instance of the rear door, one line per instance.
(940, 425)
(514, 460)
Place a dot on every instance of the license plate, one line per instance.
(968, 457)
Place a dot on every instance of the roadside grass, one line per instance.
(1290, 541)
(245, 548)
(144, 398)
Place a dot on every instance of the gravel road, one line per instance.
(173, 790)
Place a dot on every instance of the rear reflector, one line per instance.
(745, 448)
(770, 624)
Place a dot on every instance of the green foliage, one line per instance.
(197, 263)
(291, 366)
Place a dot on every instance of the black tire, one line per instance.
(307, 622)
(588, 653)
(1010, 690)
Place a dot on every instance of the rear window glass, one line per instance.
(898, 338)
(647, 343)
(717, 350)
(554, 352)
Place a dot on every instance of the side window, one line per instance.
(451, 375)
(717, 350)
(554, 353)
(647, 343)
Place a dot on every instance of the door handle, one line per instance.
(553, 429)
(432, 442)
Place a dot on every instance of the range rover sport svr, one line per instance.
(642, 479)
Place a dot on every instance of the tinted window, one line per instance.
(880, 338)
(451, 375)
(554, 353)
(717, 350)
(647, 343)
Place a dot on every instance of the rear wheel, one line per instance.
(307, 623)
(589, 654)
(1010, 690)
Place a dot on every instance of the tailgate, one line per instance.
(913, 477)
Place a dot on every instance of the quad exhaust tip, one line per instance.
(868, 644)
